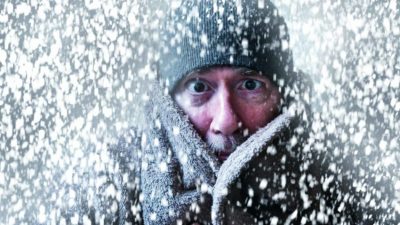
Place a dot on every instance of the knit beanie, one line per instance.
(240, 33)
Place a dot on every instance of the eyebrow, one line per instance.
(248, 72)
(240, 70)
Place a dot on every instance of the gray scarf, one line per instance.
(180, 175)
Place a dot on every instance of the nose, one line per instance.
(225, 120)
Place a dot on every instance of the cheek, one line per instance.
(198, 116)
(255, 116)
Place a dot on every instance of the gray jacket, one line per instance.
(171, 177)
(165, 174)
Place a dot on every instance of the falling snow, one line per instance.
(74, 76)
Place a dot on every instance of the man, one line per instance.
(229, 71)
(224, 104)
(227, 129)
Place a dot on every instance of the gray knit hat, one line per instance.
(203, 33)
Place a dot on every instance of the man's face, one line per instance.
(227, 104)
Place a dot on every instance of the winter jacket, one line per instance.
(165, 174)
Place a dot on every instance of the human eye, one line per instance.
(251, 85)
(197, 86)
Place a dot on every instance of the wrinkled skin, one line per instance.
(226, 104)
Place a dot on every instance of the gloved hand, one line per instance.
(175, 163)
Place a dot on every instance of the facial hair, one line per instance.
(221, 143)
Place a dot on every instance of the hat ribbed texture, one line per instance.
(204, 33)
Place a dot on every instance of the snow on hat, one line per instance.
(244, 33)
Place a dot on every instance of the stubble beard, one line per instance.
(222, 145)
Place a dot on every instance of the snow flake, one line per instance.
(176, 4)
(164, 202)
(263, 184)
(261, 4)
(283, 180)
(204, 188)
(153, 216)
(75, 219)
(42, 218)
(86, 220)
(250, 192)
(274, 220)
(321, 217)
(73, 77)
(3, 56)
(163, 167)
(23, 9)
(176, 131)
(204, 39)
